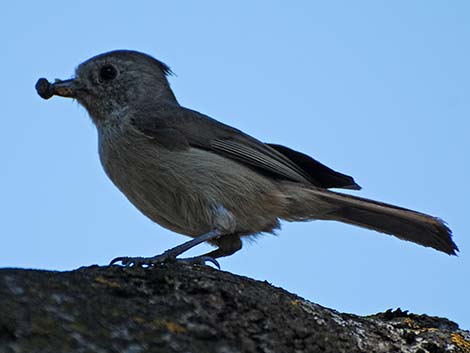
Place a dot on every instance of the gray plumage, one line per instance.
(193, 174)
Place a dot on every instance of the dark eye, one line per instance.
(108, 73)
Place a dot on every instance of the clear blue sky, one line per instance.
(376, 89)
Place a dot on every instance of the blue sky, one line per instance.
(376, 89)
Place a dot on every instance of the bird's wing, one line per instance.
(177, 127)
(327, 177)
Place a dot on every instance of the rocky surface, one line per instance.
(190, 309)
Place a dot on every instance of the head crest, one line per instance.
(135, 55)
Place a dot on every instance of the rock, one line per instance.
(179, 308)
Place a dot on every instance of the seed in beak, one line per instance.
(44, 88)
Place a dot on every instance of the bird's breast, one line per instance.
(185, 190)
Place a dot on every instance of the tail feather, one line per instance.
(403, 223)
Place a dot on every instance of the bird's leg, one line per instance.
(171, 254)
(226, 245)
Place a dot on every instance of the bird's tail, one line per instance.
(309, 203)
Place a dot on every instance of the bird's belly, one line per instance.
(193, 191)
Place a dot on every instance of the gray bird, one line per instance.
(207, 180)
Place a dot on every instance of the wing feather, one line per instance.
(174, 126)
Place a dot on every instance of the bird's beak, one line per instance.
(66, 88)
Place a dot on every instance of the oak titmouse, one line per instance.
(207, 180)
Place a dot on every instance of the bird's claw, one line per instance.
(142, 261)
(147, 262)
(125, 261)
(200, 260)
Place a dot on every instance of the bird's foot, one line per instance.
(145, 262)
(200, 260)
(171, 254)
(148, 262)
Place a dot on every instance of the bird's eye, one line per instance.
(108, 73)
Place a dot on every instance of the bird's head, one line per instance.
(111, 83)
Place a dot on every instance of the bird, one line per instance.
(204, 179)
